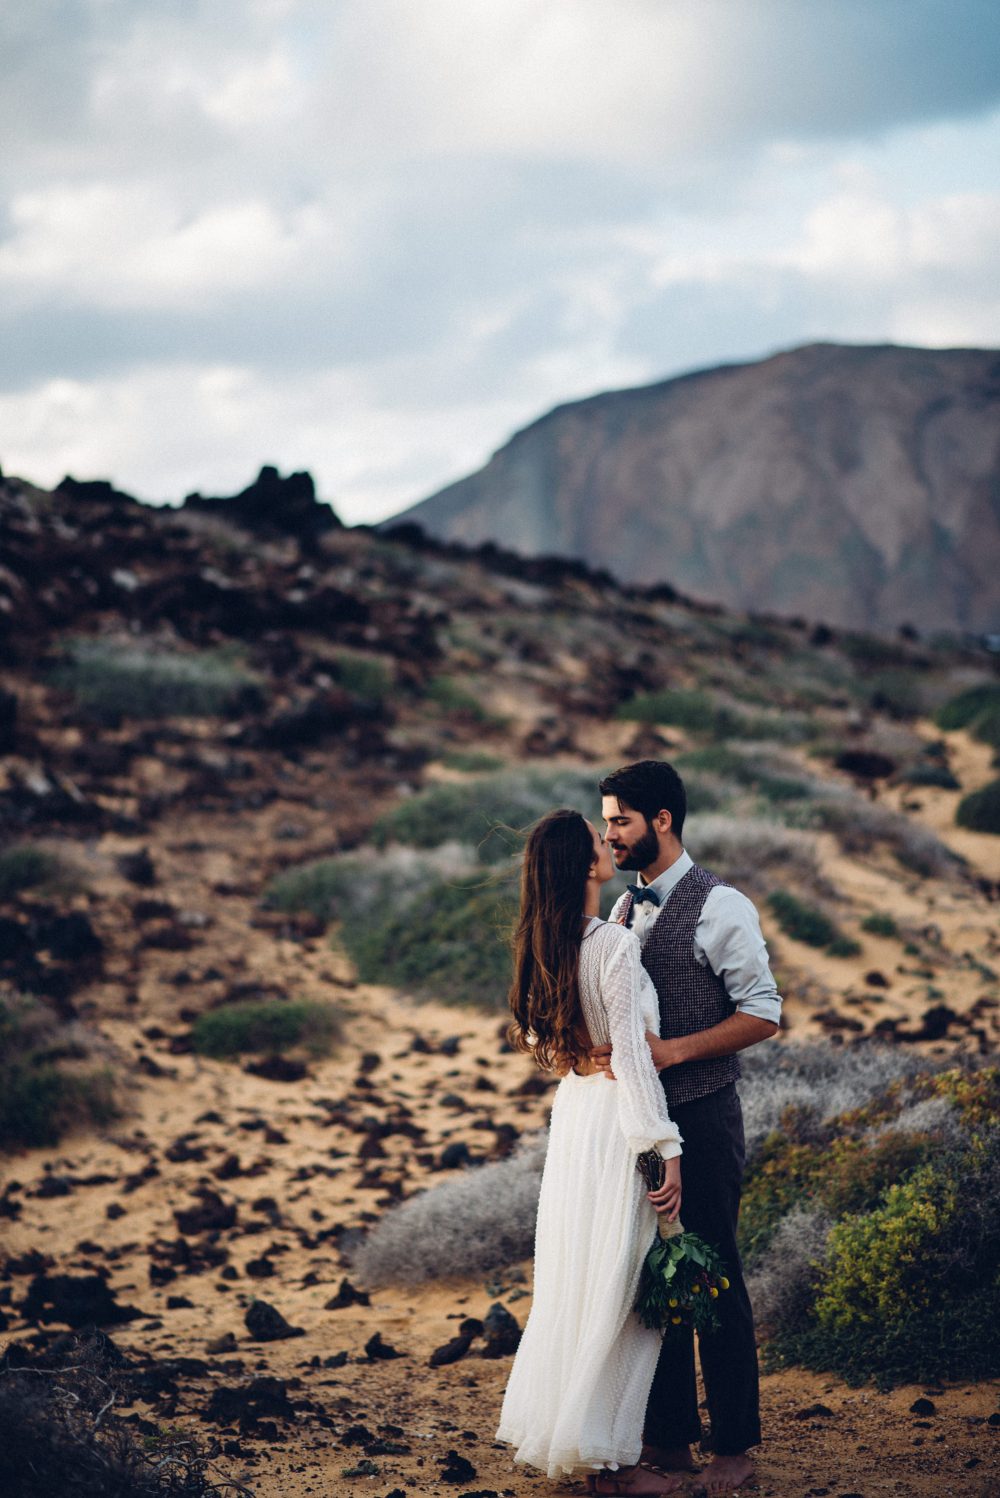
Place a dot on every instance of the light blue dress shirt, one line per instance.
(727, 939)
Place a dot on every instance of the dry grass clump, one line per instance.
(61, 1438)
(861, 826)
(752, 852)
(485, 812)
(349, 886)
(819, 1080)
(475, 1224)
(782, 1283)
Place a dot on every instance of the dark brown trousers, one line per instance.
(711, 1175)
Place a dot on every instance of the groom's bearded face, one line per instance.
(632, 840)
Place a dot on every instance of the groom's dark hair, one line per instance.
(649, 786)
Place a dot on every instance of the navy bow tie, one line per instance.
(640, 892)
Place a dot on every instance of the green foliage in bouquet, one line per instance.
(681, 1281)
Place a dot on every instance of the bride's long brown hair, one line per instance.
(545, 992)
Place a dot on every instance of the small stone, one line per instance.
(456, 1468)
(266, 1324)
(454, 1155)
(923, 1407)
(813, 1411)
(450, 1352)
(379, 1351)
(347, 1295)
(260, 1269)
(502, 1332)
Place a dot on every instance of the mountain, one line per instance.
(857, 485)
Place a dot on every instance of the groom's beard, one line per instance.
(641, 854)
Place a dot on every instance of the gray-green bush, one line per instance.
(486, 813)
(50, 1079)
(475, 1224)
(754, 853)
(33, 866)
(115, 679)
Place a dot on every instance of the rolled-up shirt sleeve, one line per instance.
(728, 939)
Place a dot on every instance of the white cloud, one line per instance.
(372, 236)
(131, 246)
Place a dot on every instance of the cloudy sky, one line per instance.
(373, 237)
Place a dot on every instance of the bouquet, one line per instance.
(683, 1276)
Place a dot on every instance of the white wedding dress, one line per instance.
(577, 1393)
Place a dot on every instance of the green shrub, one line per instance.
(113, 680)
(800, 921)
(843, 946)
(963, 710)
(471, 761)
(448, 693)
(364, 676)
(878, 924)
(910, 1289)
(682, 708)
(40, 1097)
(271, 1026)
(899, 693)
(980, 810)
(929, 774)
(29, 866)
(773, 782)
(451, 942)
(840, 1175)
(987, 727)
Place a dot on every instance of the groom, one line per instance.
(703, 948)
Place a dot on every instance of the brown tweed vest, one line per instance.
(691, 996)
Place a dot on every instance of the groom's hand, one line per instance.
(662, 1051)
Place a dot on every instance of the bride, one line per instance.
(577, 1393)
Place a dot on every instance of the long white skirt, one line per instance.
(577, 1393)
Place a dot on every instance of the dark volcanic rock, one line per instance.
(450, 1352)
(502, 1332)
(312, 720)
(266, 1324)
(210, 1214)
(8, 720)
(456, 1468)
(866, 764)
(278, 1069)
(248, 1403)
(274, 506)
(347, 1295)
(75, 1300)
(69, 938)
(379, 1351)
(137, 868)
